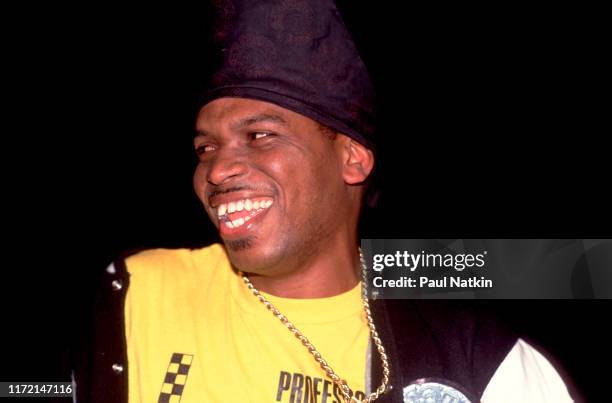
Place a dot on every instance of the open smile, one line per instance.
(238, 216)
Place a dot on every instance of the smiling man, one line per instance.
(284, 139)
(284, 194)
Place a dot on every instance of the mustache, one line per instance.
(236, 188)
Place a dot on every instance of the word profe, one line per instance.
(412, 261)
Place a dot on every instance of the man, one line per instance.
(285, 147)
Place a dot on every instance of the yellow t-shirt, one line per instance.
(195, 333)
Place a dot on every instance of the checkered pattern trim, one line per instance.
(175, 379)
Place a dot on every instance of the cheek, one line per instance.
(199, 181)
(307, 181)
(279, 166)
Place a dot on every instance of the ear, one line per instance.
(358, 161)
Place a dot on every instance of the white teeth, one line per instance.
(238, 222)
(231, 207)
(221, 210)
(245, 204)
(247, 218)
(229, 224)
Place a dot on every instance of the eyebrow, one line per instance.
(250, 120)
(262, 117)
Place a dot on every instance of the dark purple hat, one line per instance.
(296, 54)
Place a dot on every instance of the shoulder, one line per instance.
(465, 322)
(459, 341)
(160, 271)
(179, 261)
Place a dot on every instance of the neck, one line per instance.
(326, 273)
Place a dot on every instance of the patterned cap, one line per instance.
(296, 54)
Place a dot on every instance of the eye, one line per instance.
(260, 135)
(204, 149)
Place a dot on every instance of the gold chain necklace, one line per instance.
(347, 393)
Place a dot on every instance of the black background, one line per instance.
(491, 126)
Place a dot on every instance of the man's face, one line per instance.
(270, 181)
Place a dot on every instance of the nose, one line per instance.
(226, 165)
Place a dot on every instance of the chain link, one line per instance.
(346, 391)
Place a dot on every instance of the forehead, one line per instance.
(233, 112)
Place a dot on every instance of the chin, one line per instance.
(246, 255)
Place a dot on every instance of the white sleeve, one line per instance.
(525, 376)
